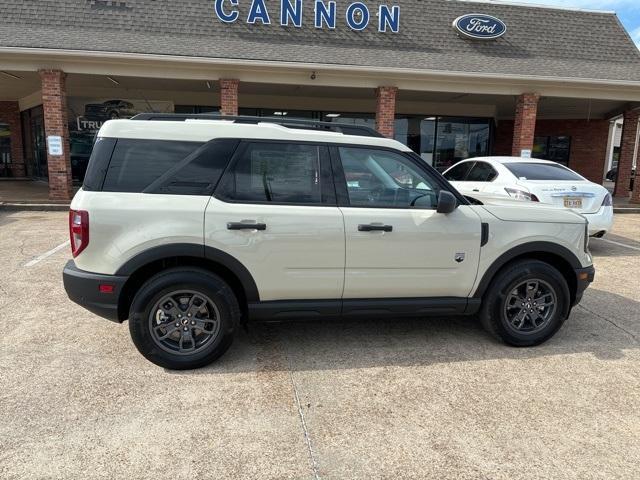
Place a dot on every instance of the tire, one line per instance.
(209, 314)
(500, 305)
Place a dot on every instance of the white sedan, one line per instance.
(536, 181)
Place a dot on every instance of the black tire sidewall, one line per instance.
(164, 283)
(504, 284)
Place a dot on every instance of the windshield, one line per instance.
(542, 171)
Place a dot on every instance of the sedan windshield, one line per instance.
(542, 171)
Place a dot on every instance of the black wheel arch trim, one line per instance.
(524, 249)
(198, 251)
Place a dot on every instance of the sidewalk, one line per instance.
(18, 194)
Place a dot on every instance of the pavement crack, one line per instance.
(305, 431)
(602, 317)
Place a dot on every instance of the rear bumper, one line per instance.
(83, 288)
(584, 277)
(601, 221)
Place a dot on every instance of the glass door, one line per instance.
(38, 140)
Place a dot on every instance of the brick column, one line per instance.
(628, 149)
(386, 110)
(229, 96)
(54, 102)
(10, 114)
(525, 123)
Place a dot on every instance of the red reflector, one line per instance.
(106, 288)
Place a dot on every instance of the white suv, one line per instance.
(189, 225)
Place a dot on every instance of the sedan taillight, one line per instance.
(607, 202)
(521, 195)
(78, 231)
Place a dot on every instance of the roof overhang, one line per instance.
(297, 73)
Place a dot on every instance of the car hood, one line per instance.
(532, 212)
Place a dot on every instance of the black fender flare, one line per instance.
(196, 251)
(524, 249)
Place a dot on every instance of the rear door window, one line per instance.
(482, 172)
(542, 171)
(282, 173)
(459, 172)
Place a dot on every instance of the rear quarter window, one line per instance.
(542, 171)
(136, 164)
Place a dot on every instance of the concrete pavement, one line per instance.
(433, 398)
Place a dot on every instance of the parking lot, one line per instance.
(433, 398)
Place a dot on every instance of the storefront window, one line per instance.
(443, 141)
(5, 149)
(87, 115)
(366, 119)
(554, 148)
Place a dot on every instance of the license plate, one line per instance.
(572, 202)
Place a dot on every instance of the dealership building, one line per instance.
(451, 79)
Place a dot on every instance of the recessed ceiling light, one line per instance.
(209, 85)
(332, 115)
(113, 80)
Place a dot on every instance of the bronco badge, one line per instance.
(459, 257)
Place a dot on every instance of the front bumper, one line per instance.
(584, 277)
(84, 288)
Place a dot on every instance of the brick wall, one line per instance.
(10, 114)
(627, 152)
(525, 123)
(54, 102)
(386, 110)
(588, 143)
(229, 96)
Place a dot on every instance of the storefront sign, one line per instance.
(525, 153)
(54, 145)
(357, 15)
(479, 26)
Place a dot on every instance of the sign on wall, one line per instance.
(357, 15)
(54, 145)
(479, 26)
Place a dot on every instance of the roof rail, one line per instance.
(344, 128)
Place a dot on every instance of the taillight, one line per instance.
(78, 231)
(521, 195)
(607, 202)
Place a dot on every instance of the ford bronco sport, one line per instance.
(189, 225)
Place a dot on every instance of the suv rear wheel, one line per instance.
(183, 318)
(526, 304)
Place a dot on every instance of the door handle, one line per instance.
(476, 190)
(246, 226)
(375, 228)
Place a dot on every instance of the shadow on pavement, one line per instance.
(352, 344)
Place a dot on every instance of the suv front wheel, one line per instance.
(526, 304)
(183, 318)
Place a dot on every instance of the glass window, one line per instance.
(460, 138)
(459, 172)
(136, 164)
(5, 148)
(554, 148)
(482, 172)
(277, 172)
(199, 172)
(542, 171)
(379, 178)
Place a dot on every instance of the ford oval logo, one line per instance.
(480, 26)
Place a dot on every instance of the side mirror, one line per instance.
(447, 202)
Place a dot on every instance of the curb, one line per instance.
(624, 210)
(34, 207)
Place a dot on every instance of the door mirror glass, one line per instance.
(447, 202)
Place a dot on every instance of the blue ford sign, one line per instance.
(480, 26)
